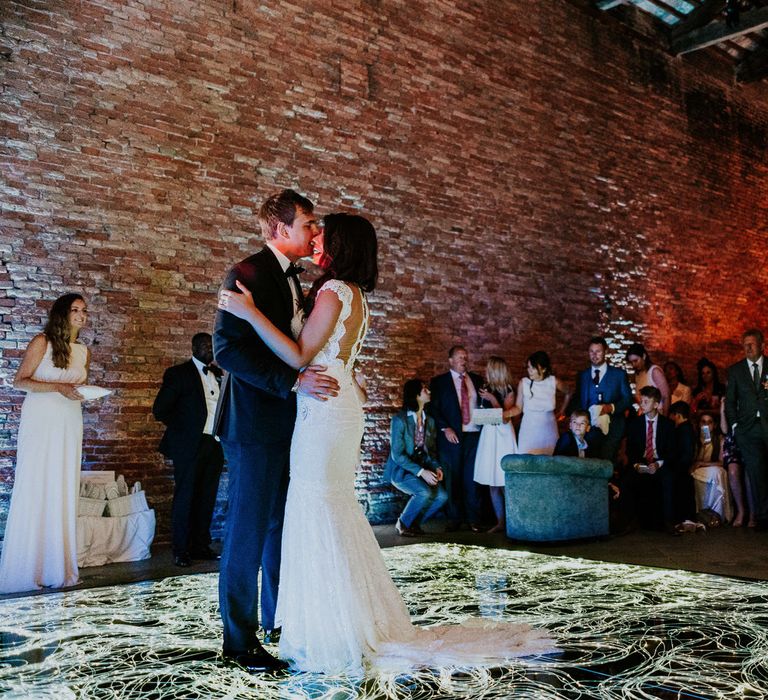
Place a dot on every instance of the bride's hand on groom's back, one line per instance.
(239, 304)
(314, 383)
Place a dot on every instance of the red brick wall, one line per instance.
(536, 173)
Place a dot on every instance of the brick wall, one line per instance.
(536, 172)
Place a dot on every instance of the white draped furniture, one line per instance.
(115, 530)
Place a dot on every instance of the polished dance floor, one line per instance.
(622, 632)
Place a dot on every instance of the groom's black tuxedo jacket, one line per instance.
(256, 403)
(743, 400)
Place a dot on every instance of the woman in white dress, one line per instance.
(536, 398)
(40, 545)
(496, 441)
(338, 605)
(648, 374)
(712, 490)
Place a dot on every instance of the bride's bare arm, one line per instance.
(296, 353)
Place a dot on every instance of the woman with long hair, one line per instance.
(709, 390)
(412, 466)
(648, 374)
(40, 545)
(678, 389)
(338, 605)
(496, 441)
(712, 479)
(536, 400)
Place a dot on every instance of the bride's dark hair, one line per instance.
(349, 253)
(57, 330)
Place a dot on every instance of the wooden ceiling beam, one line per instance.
(754, 67)
(697, 18)
(717, 32)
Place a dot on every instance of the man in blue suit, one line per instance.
(254, 420)
(608, 389)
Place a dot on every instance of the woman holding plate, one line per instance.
(40, 546)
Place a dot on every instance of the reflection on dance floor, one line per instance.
(623, 631)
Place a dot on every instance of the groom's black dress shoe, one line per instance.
(272, 636)
(258, 661)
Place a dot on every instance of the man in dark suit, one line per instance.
(685, 453)
(454, 395)
(186, 403)
(255, 418)
(607, 389)
(746, 409)
(650, 453)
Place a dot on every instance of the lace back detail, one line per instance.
(358, 346)
(331, 350)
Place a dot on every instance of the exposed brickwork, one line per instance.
(536, 172)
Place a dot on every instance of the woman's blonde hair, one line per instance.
(497, 375)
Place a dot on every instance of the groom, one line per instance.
(254, 420)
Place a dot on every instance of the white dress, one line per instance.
(496, 442)
(538, 429)
(40, 545)
(337, 604)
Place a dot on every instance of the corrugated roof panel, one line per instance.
(656, 11)
(681, 6)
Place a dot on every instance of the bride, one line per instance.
(338, 605)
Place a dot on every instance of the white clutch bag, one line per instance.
(487, 416)
(89, 392)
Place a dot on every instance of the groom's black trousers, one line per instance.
(258, 484)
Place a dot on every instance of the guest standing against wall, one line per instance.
(186, 404)
(40, 546)
(746, 408)
(536, 400)
(604, 391)
(678, 389)
(496, 441)
(454, 395)
(709, 390)
(651, 453)
(648, 374)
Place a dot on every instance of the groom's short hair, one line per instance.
(279, 208)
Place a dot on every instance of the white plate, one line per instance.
(90, 392)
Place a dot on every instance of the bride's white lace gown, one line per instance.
(338, 606)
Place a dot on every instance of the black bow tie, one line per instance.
(215, 371)
(293, 270)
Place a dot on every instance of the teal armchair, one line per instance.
(549, 499)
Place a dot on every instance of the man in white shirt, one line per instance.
(746, 409)
(186, 403)
(454, 396)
